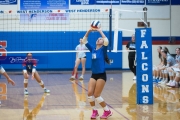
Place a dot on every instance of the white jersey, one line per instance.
(170, 60)
(79, 48)
(177, 58)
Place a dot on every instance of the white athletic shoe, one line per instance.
(173, 84)
(164, 82)
(26, 92)
(169, 83)
(72, 78)
(81, 78)
(46, 91)
(160, 82)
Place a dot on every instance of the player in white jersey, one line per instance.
(80, 58)
(170, 61)
(174, 70)
(156, 72)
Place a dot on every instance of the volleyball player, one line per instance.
(157, 75)
(170, 62)
(29, 67)
(173, 70)
(131, 56)
(98, 77)
(80, 58)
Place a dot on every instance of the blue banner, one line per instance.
(175, 2)
(108, 2)
(93, 2)
(44, 4)
(8, 2)
(157, 2)
(144, 66)
(133, 2)
(83, 2)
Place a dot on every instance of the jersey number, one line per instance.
(29, 67)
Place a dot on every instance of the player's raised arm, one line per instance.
(106, 41)
(84, 40)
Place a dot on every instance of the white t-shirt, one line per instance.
(79, 48)
(170, 60)
(177, 58)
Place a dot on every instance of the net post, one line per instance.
(145, 16)
(116, 30)
(110, 29)
(144, 66)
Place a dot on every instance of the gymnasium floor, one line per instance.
(68, 101)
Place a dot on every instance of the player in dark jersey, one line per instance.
(131, 56)
(29, 67)
(98, 77)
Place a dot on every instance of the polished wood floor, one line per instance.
(68, 101)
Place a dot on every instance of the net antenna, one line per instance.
(116, 24)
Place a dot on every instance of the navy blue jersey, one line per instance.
(29, 64)
(131, 46)
(98, 58)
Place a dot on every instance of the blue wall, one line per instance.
(51, 41)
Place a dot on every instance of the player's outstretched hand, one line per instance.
(99, 29)
(91, 29)
(11, 81)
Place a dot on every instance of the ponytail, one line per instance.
(107, 60)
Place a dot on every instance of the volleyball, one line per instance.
(95, 24)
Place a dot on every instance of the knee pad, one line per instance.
(25, 80)
(177, 74)
(91, 98)
(99, 99)
(2, 70)
(41, 83)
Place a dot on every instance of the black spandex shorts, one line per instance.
(99, 76)
(29, 71)
(83, 57)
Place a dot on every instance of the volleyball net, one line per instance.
(60, 30)
(49, 30)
